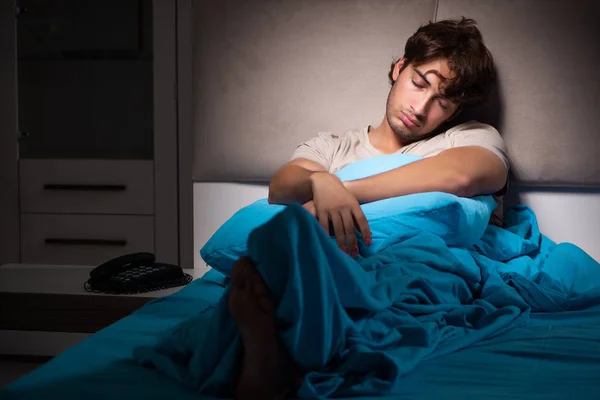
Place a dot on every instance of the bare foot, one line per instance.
(265, 367)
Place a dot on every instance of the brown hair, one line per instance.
(461, 43)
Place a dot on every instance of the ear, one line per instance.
(397, 68)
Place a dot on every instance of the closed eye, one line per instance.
(417, 85)
(422, 86)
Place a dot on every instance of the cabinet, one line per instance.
(93, 159)
(96, 129)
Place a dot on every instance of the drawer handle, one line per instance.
(104, 188)
(87, 242)
(103, 54)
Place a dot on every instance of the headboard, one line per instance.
(269, 74)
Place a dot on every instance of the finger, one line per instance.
(310, 207)
(350, 232)
(363, 224)
(340, 233)
(323, 218)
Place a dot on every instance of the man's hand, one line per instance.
(333, 203)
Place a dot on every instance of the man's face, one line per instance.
(416, 104)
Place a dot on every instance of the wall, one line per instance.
(562, 216)
(214, 203)
(565, 215)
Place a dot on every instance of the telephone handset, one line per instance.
(135, 273)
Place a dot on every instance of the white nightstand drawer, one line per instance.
(83, 239)
(87, 186)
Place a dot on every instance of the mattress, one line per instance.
(556, 356)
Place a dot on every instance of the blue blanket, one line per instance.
(357, 326)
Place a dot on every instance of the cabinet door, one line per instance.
(85, 79)
(62, 27)
(86, 109)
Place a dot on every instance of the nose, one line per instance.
(419, 108)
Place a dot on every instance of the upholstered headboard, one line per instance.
(269, 74)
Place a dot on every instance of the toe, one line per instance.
(236, 273)
(258, 286)
(249, 297)
(266, 304)
(260, 293)
(240, 272)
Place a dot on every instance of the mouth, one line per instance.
(409, 122)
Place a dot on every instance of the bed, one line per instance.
(555, 355)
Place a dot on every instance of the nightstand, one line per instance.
(38, 301)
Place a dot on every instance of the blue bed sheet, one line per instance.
(357, 327)
(532, 323)
(556, 357)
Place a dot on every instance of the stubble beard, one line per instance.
(397, 127)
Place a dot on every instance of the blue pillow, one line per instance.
(459, 221)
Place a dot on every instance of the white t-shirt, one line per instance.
(335, 152)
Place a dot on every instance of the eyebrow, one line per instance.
(435, 71)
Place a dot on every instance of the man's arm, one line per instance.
(464, 171)
(302, 181)
(292, 182)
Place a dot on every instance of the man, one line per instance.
(445, 68)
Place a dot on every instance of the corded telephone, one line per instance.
(135, 273)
